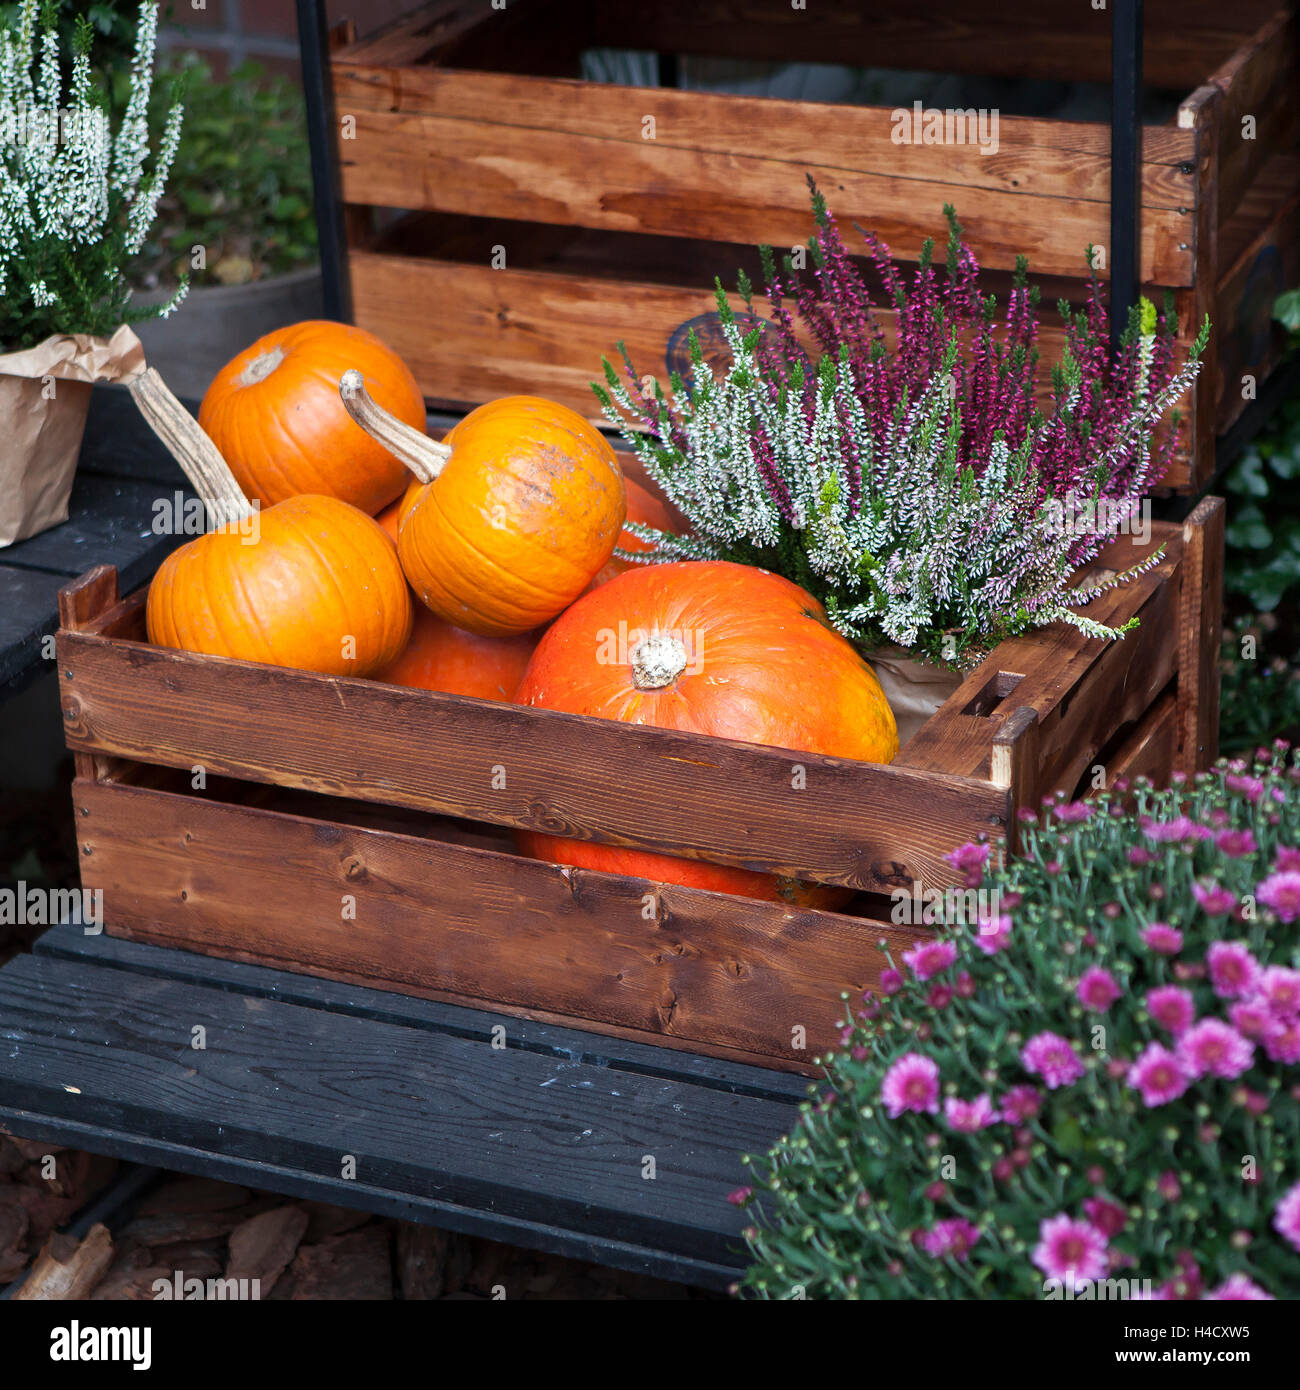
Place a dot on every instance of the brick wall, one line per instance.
(226, 32)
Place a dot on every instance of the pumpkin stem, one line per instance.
(657, 661)
(425, 457)
(198, 456)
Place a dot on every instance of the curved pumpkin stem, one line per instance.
(198, 456)
(425, 457)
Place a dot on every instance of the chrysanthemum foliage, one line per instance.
(1099, 1081)
(916, 489)
(76, 200)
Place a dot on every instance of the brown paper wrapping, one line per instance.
(40, 435)
(915, 689)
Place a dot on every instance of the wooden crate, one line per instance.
(361, 831)
(470, 118)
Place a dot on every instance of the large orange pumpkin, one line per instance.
(522, 506)
(646, 508)
(713, 648)
(310, 582)
(274, 414)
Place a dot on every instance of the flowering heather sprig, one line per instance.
(1114, 1095)
(918, 492)
(75, 203)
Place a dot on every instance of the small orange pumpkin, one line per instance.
(442, 657)
(275, 416)
(646, 508)
(713, 648)
(522, 504)
(310, 582)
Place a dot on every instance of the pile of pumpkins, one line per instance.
(491, 574)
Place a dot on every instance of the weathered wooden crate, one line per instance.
(361, 831)
(470, 118)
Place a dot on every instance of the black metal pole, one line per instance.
(1125, 160)
(313, 47)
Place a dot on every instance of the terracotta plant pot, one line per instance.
(44, 397)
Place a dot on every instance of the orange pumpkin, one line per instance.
(713, 648)
(522, 504)
(320, 589)
(646, 508)
(310, 582)
(442, 657)
(275, 416)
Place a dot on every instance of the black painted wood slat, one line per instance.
(523, 1143)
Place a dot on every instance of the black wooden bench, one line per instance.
(619, 1153)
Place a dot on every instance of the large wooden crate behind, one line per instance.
(544, 225)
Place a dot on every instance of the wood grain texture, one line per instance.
(1258, 83)
(541, 1150)
(694, 968)
(519, 330)
(627, 183)
(1199, 632)
(860, 824)
(1053, 39)
(1151, 750)
(1083, 689)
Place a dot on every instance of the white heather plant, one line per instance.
(918, 494)
(76, 203)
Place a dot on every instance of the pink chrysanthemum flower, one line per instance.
(1070, 1250)
(1286, 1219)
(953, 1237)
(1252, 1018)
(1282, 1042)
(1287, 861)
(968, 1116)
(929, 958)
(1237, 1287)
(1174, 832)
(1281, 892)
(1053, 1058)
(1236, 844)
(1213, 898)
(891, 980)
(1249, 787)
(1158, 1076)
(1171, 1008)
(1108, 1217)
(1163, 939)
(1279, 988)
(912, 1083)
(1233, 970)
(1020, 1105)
(1215, 1048)
(969, 859)
(740, 1196)
(1073, 812)
(993, 934)
(1097, 989)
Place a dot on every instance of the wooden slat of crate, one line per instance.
(687, 794)
(1260, 255)
(483, 158)
(511, 330)
(1151, 749)
(1258, 84)
(1051, 39)
(699, 970)
(1083, 689)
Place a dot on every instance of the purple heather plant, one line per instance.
(1111, 1091)
(917, 491)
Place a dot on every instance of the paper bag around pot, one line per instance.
(915, 689)
(44, 397)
